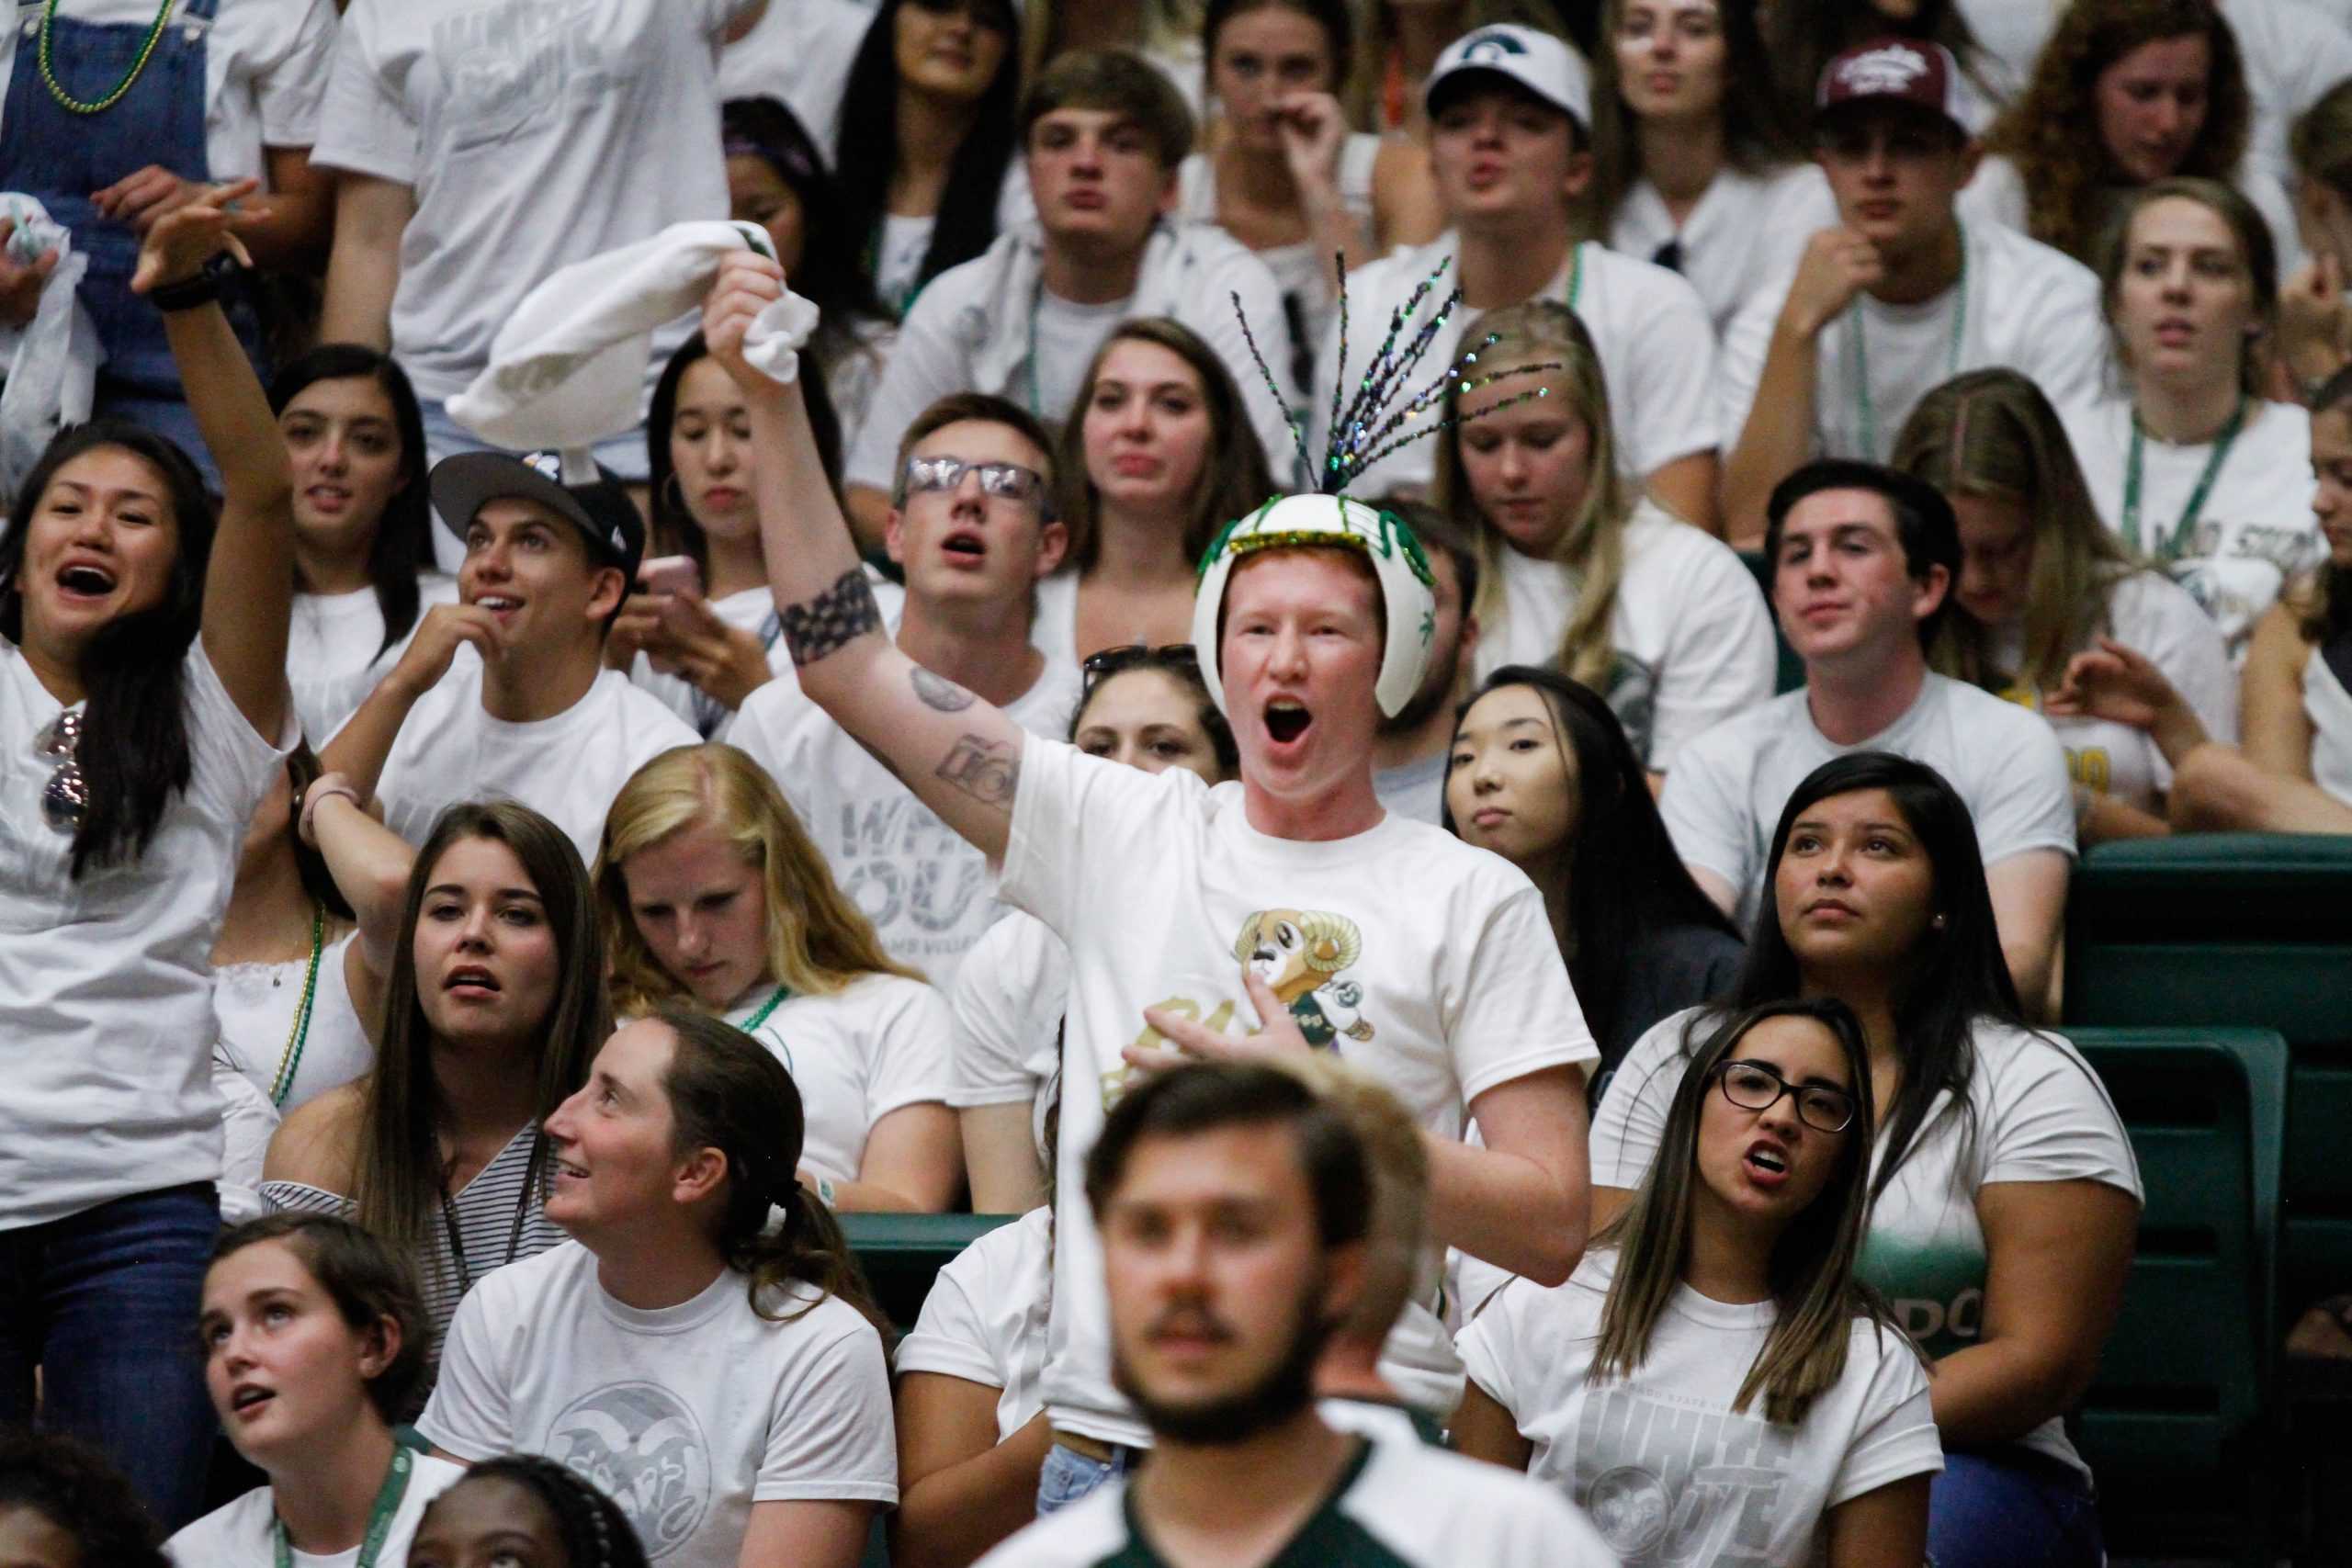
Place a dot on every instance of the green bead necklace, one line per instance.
(67, 100)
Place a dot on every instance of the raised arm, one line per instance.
(370, 865)
(961, 756)
(249, 582)
(360, 747)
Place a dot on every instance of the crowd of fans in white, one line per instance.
(626, 624)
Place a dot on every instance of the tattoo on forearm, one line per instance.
(818, 627)
(988, 771)
(938, 692)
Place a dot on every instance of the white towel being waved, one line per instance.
(568, 369)
(50, 366)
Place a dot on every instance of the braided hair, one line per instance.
(595, 1532)
(77, 1489)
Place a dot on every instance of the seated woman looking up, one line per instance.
(2004, 1198)
(712, 898)
(1725, 1290)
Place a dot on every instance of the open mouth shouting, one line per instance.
(1767, 1163)
(1288, 721)
(85, 582)
(965, 548)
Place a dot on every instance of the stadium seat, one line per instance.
(1788, 673)
(902, 1253)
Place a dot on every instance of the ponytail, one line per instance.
(727, 1092)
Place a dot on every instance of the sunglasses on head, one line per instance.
(1101, 666)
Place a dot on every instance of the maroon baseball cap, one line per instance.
(1894, 71)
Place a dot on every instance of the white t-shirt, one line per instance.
(799, 53)
(1011, 992)
(1692, 634)
(984, 1320)
(856, 1056)
(2329, 707)
(979, 327)
(1744, 226)
(1726, 793)
(106, 984)
(1303, 269)
(1398, 1503)
(2151, 613)
(254, 1005)
(242, 1534)
(1648, 326)
(1659, 1461)
(1998, 195)
(2294, 51)
(2036, 1111)
(2256, 530)
(2021, 305)
(535, 133)
(566, 768)
(686, 1415)
(265, 66)
(926, 890)
(332, 661)
(1423, 961)
(1415, 789)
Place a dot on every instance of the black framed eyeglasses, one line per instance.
(1006, 481)
(1102, 665)
(1759, 1085)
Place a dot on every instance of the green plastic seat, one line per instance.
(901, 1254)
(1788, 670)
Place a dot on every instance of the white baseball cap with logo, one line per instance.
(1545, 65)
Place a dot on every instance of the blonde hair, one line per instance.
(1397, 1230)
(1593, 545)
(817, 943)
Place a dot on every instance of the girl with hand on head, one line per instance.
(314, 1337)
(713, 897)
(493, 1003)
(2292, 773)
(2125, 92)
(143, 707)
(1287, 177)
(2005, 1197)
(1579, 570)
(2198, 471)
(1693, 165)
(523, 1511)
(1542, 773)
(685, 1306)
(1726, 1289)
(1149, 708)
(2041, 579)
(363, 526)
(1161, 457)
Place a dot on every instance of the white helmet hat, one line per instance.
(1329, 521)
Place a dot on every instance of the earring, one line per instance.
(1937, 924)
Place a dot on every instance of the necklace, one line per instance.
(776, 998)
(379, 1515)
(2170, 547)
(513, 1231)
(67, 100)
(290, 1061)
(1857, 366)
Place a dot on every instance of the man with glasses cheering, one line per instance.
(971, 523)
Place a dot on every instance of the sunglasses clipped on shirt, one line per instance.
(1006, 481)
(1100, 666)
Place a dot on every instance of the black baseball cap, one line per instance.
(572, 485)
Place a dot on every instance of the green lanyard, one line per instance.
(776, 998)
(2170, 548)
(380, 1517)
(1575, 276)
(1858, 358)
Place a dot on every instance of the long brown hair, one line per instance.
(1993, 435)
(2051, 134)
(397, 1168)
(728, 1092)
(1234, 477)
(1812, 1270)
(1593, 546)
(818, 944)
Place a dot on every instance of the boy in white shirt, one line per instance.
(1234, 1209)
(1101, 134)
(1828, 358)
(505, 692)
(1863, 561)
(1425, 961)
(1511, 111)
(972, 523)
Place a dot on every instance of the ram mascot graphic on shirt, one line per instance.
(1300, 955)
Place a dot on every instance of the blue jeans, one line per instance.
(2012, 1508)
(104, 1303)
(1069, 1475)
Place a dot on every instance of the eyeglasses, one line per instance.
(66, 798)
(1759, 1085)
(1007, 481)
(1100, 667)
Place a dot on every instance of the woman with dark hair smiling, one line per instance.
(143, 708)
(2005, 1200)
(1725, 1291)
